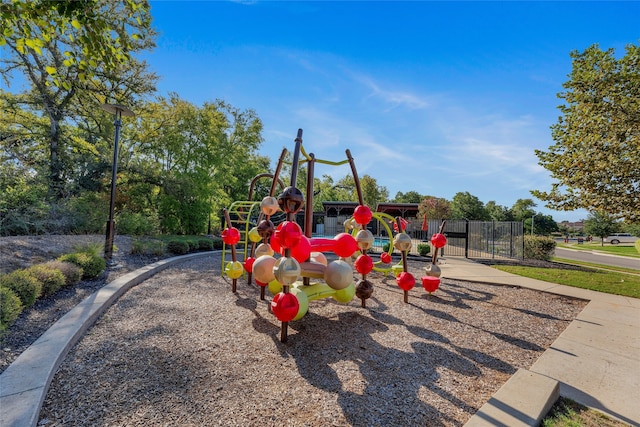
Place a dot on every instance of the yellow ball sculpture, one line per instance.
(234, 269)
(254, 236)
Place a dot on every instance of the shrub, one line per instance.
(386, 246)
(92, 265)
(10, 307)
(147, 247)
(217, 242)
(205, 244)
(25, 286)
(50, 278)
(178, 247)
(539, 247)
(424, 249)
(72, 273)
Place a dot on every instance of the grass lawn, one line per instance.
(624, 250)
(567, 413)
(597, 280)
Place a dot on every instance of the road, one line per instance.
(598, 258)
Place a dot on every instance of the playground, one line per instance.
(182, 349)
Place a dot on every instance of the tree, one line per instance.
(66, 51)
(467, 206)
(434, 208)
(542, 225)
(522, 209)
(372, 193)
(497, 212)
(408, 197)
(106, 32)
(600, 225)
(596, 155)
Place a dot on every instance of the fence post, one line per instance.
(466, 240)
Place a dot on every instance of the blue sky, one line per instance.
(433, 97)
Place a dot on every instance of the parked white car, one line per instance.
(614, 239)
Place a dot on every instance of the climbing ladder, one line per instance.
(244, 216)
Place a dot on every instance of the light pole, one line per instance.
(533, 216)
(118, 111)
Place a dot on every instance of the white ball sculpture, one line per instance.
(286, 270)
(263, 269)
(338, 274)
(402, 242)
(365, 239)
(269, 205)
(264, 249)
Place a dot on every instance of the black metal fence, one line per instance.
(469, 239)
(484, 239)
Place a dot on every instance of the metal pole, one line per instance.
(118, 111)
(108, 244)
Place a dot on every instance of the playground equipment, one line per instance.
(300, 257)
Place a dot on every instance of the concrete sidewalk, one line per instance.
(596, 360)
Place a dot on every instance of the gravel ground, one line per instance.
(23, 251)
(182, 349)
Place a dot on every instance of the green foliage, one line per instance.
(50, 278)
(136, 223)
(408, 197)
(538, 247)
(424, 249)
(600, 224)
(434, 208)
(178, 247)
(217, 243)
(25, 286)
(205, 244)
(467, 206)
(386, 246)
(10, 307)
(148, 247)
(568, 413)
(595, 157)
(91, 263)
(72, 273)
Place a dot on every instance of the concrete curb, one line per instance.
(24, 384)
(524, 400)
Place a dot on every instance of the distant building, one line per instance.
(573, 226)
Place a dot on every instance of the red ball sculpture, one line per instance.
(285, 306)
(438, 240)
(385, 257)
(231, 236)
(302, 250)
(406, 281)
(248, 264)
(430, 283)
(362, 214)
(363, 264)
(289, 235)
(261, 284)
(345, 245)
